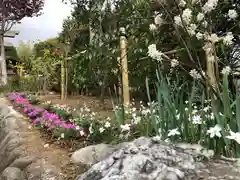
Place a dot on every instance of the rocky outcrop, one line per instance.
(15, 163)
(152, 159)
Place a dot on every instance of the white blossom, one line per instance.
(146, 111)
(173, 132)
(210, 5)
(187, 15)
(82, 133)
(195, 74)
(232, 14)
(182, 3)
(174, 63)
(101, 129)
(158, 20)
(107, 124)
(226, 70)
(196, 119)
(228, 39)
(178, 20)
(213, 38)
(62, 135)
(234, 136)
(191, 29)
(206, 109)
(136, 119)
(212, 116)
(199, 36)
(200, 17)
(152, 27)
(125, 127)
(77, 127)
(215, 131)
(154, 53)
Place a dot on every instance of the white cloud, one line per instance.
(45, 26)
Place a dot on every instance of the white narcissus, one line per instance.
(215, 131)
(226, 70)
(173, 132)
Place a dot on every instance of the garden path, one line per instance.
(36, 146)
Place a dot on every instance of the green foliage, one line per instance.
(51, 45)
(25, 53)
(11, 53)
(27, 84)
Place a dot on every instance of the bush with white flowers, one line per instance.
(206, 27)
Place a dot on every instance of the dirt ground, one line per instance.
(104, 110)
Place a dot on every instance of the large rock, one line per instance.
(92, 154)
(152, 159)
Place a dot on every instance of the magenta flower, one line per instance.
(39, 115)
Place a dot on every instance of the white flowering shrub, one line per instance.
(206, 31)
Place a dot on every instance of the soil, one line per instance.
(103, 109)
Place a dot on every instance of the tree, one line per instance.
(51, 44)
(25, 51)
(11, 12)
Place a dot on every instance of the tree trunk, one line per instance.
(3, 62)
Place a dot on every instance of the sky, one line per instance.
(45, 26)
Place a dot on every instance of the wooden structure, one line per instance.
(124, 64)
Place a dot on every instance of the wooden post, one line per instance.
(119, 78)
(124, 63)
(67, 50)
(62, 79)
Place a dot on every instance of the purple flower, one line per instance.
(36, 121)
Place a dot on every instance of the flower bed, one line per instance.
(44, 118)
(62, 122)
